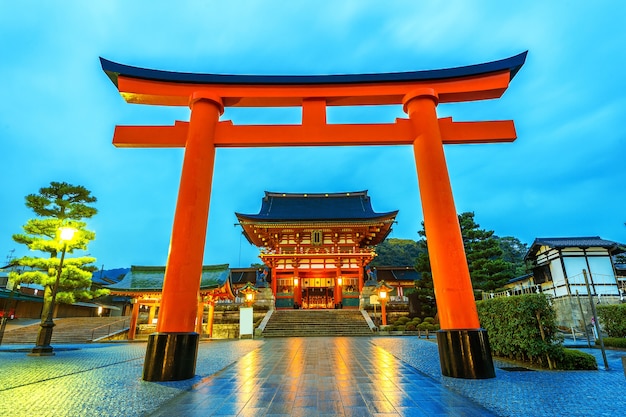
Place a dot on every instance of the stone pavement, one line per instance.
(377, 376)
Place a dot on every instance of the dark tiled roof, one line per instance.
(575, 242)
(395, 274)
(520, 278)
(150, 278)
(243, 275)
(114, 70)
(327, 207)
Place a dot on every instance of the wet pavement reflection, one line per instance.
(320, 377)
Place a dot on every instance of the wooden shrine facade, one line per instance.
(317, 245)
(144, 284)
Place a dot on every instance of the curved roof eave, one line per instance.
(114, 70)
(265, 219)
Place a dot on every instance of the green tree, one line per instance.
(514, 251)
(487, 265)
(487, 268)
(60, 204)
(424, 289)
(397, 252)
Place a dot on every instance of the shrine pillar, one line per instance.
(199, 317)
(338, 286)
(132, 327)
(172, 351)
(464, 349)
(361, 277)
(209, 326)
(151, 313)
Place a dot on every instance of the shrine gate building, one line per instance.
(317, 245)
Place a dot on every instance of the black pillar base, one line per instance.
(171, 356)
(42, 351)
(465, 354)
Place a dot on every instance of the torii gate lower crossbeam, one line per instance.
(463, 346)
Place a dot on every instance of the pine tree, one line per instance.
(59, 205)
(487, 265)
(484, 256)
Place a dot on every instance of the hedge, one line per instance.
(613, 319)
(571, 359)
(614, 342)
(523, 328)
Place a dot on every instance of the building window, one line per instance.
(317, 238)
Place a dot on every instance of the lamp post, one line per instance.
(43, 347)
(246, 316)
(383, 292)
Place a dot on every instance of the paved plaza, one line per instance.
(363, 376)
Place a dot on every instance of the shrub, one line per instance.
(416, 320)
(613, 319)
(411, 327)
(571, 359)
(521, 327)
(424, 326)
(429, 320)
(403, 320)
(399, 328)
(616, 342)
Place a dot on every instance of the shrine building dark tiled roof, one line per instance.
(575, 242)
(326, 207)
(150, 278)
(397, 273)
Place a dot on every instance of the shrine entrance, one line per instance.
(314, 298)
(463, 345)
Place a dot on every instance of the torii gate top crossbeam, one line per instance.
(467, 83)
(313, 93)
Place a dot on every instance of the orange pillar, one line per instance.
(297, 290)
(361, 278)
(383, 310)
(274, 285)
(171, 352)
(462, 344)
(132, 327)
(199, 317)
(209, 326)
(451, 279)
(152, 313)
(338, 288)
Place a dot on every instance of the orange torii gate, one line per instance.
(463, 346)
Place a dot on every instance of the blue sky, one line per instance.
(564, 176)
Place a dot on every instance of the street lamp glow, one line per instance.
(66, 233)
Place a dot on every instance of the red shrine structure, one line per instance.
(316, 245)
(464, 349)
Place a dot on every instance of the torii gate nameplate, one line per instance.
(463, 346)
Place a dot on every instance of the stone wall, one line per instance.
(568, 309)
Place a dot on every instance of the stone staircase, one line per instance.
(311, 323)
(68, 330)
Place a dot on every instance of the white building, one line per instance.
(558, 265)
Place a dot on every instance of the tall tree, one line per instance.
(488, 268)
(514, 251)
(397, 252)
(424, 290)
(60, 204)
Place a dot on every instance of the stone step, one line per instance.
(68, 330)
(312, 323)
